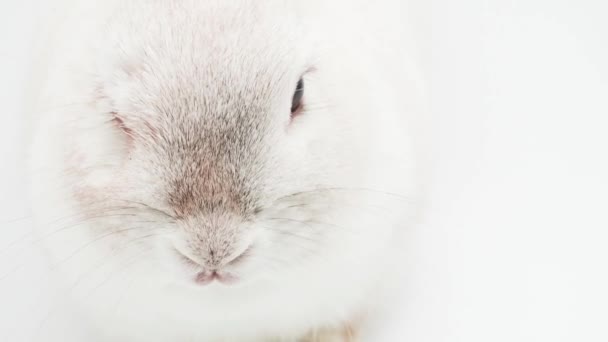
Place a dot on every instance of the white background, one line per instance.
(514, 244)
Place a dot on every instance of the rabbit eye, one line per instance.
(296, 103)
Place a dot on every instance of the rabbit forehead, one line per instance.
(193, 55)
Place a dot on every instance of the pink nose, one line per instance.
(209, 272)
(206, 277)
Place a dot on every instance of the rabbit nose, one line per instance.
(207, 277)
(214, 260)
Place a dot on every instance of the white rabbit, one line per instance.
(226, 170)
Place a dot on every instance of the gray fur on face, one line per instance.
(202, 109)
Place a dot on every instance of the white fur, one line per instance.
(356, 136)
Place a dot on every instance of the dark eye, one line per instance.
(296, 103)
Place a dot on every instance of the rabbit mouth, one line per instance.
(208, 277)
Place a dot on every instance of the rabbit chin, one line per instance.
(153, 302)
